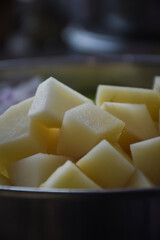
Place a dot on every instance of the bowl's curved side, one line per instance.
(108, 215)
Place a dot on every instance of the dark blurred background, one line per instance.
(33, 28)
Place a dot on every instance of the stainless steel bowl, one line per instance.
(28, 213)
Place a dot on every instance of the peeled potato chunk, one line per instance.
(34, 170)
(20, 137)
(138, 180)
(107, 93)
(146, 157)
(83, 127)
(71, 177)
(156, 85)
(138, 122)
(105, 165)
(158, 127)
(4, 180)
(51, 100)
(127, 156)
(53, 140)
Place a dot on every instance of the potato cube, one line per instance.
(158, 125)
(83, 127)
(53, 140)
(146, 157)
(51, 100)
(156, 85)
(127, 156)
(19, 137)
(138, 180)
(71, 177)
(107, 93)
(4, 180)
(106, 166)
(138, 122)
(34, 170)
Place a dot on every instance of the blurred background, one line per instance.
(33, 28)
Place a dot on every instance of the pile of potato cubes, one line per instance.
(62, 139)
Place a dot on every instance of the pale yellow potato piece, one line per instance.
(71, 177)
(19, 137)
(138, 180)
(4, 180)
(146, 157)
(126, 139)
(34, 170)
(156, 85)
(83, 127)
(107, 93)
(156, 88)
(53, 140)
(159, 123)
(52, 100)
(136, 117)
(105, 165)
(138, 122)
(127, 156)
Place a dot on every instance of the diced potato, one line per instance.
(138, 122)
(19, 137)
(138, 180)
(83, 127)
(156, 88)
(51, 100)
(136, 117)
(105, 165)
(146, 157)
(107, 93)
(156, 85)
(159, 123)
(4, 180)
(3, 169)
(71, 177)
(126, 139)
(34, 170)
(53, 140)
(127, 156)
